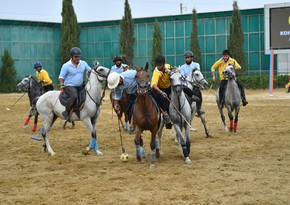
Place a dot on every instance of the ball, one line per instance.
(124, 157)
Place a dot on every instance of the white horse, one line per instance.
(232, 99)
(50, 108)
(195, 81)
(181, 113)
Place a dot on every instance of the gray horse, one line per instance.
(232, 99)
(30, 85)
(50, 108)
(181, 113)
(195, 81)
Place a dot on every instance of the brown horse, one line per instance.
(122, 109)
(146, 115)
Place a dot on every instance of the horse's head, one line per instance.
(176, 80)
(196, 77)
(142, 79)
(24, 84)
(101, 71)
(229, 72)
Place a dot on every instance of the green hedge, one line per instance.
(257, 82)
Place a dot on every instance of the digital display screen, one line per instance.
(280, 28)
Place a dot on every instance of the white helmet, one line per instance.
(113, 80)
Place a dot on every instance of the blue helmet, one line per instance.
(37, 64)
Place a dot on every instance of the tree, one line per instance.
(126, 36)
(194, 45)
(70, 30)
(7, 74)
(157, 43)
(236, 39)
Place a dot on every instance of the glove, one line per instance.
(163, 94)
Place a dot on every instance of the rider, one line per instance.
(71, 78)
(187, 69)
(221, 64)
(118, 67)
(43, 77)
(161, 86)
(124, 82)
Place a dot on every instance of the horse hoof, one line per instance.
(187, 160)
(152, 165)
(24, 126)
(99, 153)
(51, 154)
(193, 129)
(138, 158)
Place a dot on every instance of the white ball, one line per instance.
(124, 157)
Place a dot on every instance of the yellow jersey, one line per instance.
(221, 65)
(44, 77)
(161, 79)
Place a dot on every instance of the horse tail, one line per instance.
(34, 101)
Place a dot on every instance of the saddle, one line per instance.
(78, 105)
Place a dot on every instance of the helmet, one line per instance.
(188, 54)
(75, 51)
(226, 52)
(37, 64)
(117, 58)
(113, 80)
(159, 60)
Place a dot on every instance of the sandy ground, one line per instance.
(252, 167)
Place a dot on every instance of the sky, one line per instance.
(102, 10)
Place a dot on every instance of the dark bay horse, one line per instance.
(122, 109)
(232, 99)
(34, 89)
(146, 115)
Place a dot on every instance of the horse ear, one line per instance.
(137, 68)
(146, 66)
(96, 64)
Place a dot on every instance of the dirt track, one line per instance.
(252, 167)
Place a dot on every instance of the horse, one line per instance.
(122, 110)
(34, 89)
(195, 81)
(232, 99)
(122, 104)
(50, 108)
(181, 113)
(146, 115)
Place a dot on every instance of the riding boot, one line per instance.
(167, 121)
(195, 99)
(66, 114)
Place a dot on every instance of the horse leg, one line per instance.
(73, 124)
(202, 118)
(153, 147)
(45, 130)
(231, 119)
(223, 118)
(126, 126)
(236, 120)
(90, 124)
(46, 144)
(35, 122)
(137, 143)
(187, 143)
(27, 121)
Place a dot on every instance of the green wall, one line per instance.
(38, 41)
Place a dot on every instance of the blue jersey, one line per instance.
(118, 70)
(129, 84)
(185, 69)
(73, 76)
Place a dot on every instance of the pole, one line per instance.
(271, 72)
